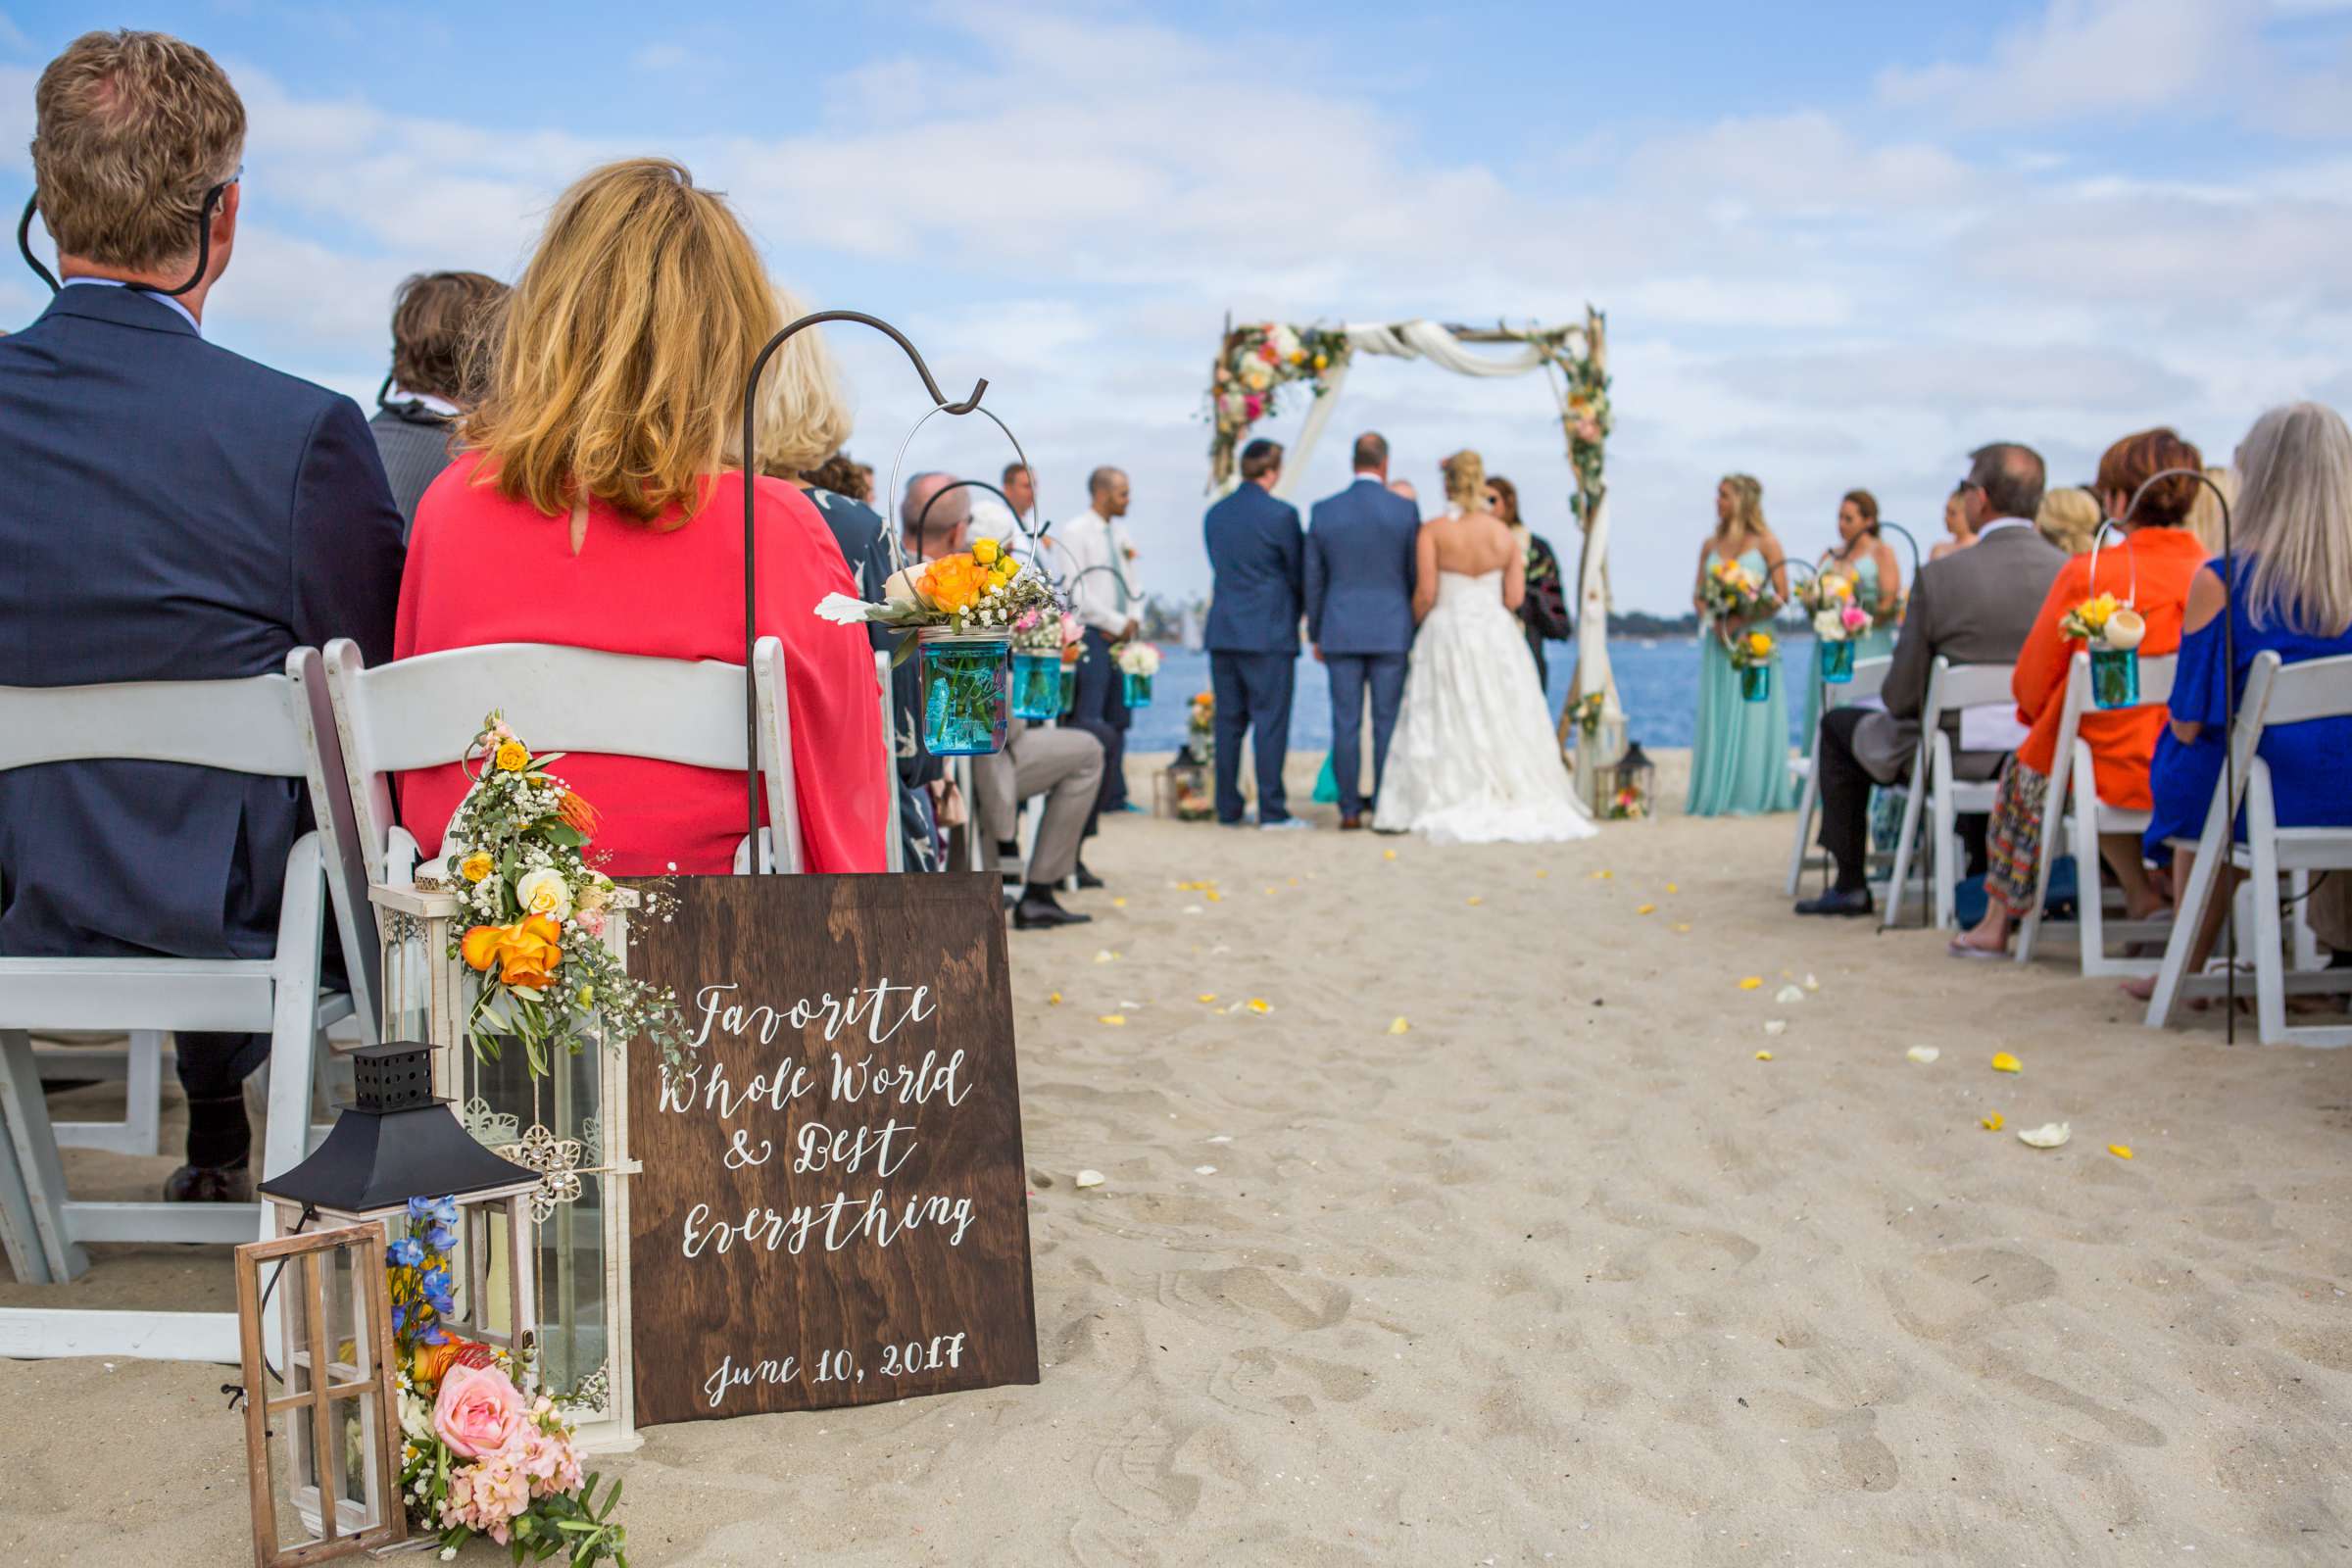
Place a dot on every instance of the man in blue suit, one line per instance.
(1359, 613)
(168, 511)
(1257, 554)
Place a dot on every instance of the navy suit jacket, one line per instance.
(1359, 570)
(1257, 553)
(168, 511)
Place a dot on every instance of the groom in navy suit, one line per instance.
(1256, 550)
(1359, 613)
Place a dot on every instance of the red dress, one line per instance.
(486, 569)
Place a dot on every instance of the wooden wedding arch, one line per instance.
(1257, 362)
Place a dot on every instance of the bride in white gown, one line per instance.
(1474, 759)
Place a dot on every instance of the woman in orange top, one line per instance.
(2153, 568)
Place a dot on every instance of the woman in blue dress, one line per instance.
(2289, 592)
(1868, 559)
(1739, 754)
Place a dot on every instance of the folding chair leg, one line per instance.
(19, 1238)
(294, 1025)
(43, 1176)
(1905, 840)
(2165, 999)
(1808, 802)
(144, 1091)
(2269, 942)
(1945, 919)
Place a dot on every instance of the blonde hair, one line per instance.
(2294, 524)
(803, 417)
(130, 130)
(1747, 501)
(2069, 518)
(1465, 480)
(2205, 516)
(619, 360)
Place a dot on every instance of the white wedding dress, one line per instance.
(1473, 759)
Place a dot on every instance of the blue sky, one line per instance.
(1840, 244)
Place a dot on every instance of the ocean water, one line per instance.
(1657, 681)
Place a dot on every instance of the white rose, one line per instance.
(544, 891)
(1829, 626)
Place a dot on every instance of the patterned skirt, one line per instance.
(2012, 838)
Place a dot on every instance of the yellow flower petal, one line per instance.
(1681, 925)
(1119, 904)
(2002, 1061)
(1055, 1000)
(1671, 888)
(1117, 1020)
(1602, 876)
(1647, 909)
(1206, 997)
(1763, 1056)
(2120, 1150)
(1387, 855)
(1400, 1026)
(1475, 900)
(1213, 896)
(1755, 982)
(1260, 1005)
(1990, 1121)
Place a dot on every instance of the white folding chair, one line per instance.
(2075, 812)
(1869, 674)
(1936, 787)
(2276, 695)
(895, 850)
(423, 711)
(255, 725)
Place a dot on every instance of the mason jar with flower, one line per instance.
(1138, 664)
(1753, 656)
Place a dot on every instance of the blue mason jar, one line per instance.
(2114, 676)
(1755, 682)
(1036, 685)
(964, 681)
(1837, 662)
(1136, 690)
(1070, 689)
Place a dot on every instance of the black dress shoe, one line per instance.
(1038, 911)
(1350, 824)
(1086, 878)
(1851, 905)
(210, 1183)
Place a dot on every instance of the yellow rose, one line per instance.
(1759, 644)
(984, 550)
(478, 865)
(514, 757)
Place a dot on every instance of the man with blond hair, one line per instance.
(171, 511)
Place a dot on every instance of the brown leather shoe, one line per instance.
(1350, 824)
(210, 1183)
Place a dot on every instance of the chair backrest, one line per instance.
(1869, 678)
(2317, 688)
(2156, 673)
(246, 725)
(423, 712)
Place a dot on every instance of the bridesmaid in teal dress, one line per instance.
(1859, 553)
(1739, 755)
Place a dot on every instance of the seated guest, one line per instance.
(2288, 592)
(598, 502)
(1065, 765)
(2069, 518)
(174, 513)
(2152, 569)
(437, 319)
(1972, 606)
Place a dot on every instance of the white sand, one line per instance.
(1562, 1273)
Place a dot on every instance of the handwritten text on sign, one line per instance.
(831, 1210)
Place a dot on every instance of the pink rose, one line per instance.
(479, 1411)
(1854, 617)
(1253, 406)
(591, 921)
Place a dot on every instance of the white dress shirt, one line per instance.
(1094, 555)
(186, 314)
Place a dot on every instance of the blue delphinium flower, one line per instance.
(419, 1207)
(407, 1252)
(441, 1238)
(445, 1210)
(399, 1318)
(434, 1334)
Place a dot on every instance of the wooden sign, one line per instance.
(833, 1204)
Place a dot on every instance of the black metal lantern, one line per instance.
(1633, 782)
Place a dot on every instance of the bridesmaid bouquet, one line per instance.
(1828, 591)
(1732, 593)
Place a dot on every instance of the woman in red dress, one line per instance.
(597, 503)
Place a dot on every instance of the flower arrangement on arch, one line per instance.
(1255, 363)
(478, 1456)
(1587, 710)
(979, 589)
(535, 914)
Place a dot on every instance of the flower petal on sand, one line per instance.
(1647, 909)
(1090, 1178)
(1119, 904)
(2049, 1135)
(1260, 1006)
(1206, 997)
(2002, 1061)
(1399, 1026)
(1812, 984)
(1681, 925)
(1117, 1020)
(1776, 1027)
(1205, 1170)
(1053, 1000)
(1106, 955)
(1475, 901)
(1990, 1121)
(1922, 1055)
(1672, 888)
(2120, 1150)
(1789, 994)
(1387, 855)
(1763, 1056)
(1755, 982)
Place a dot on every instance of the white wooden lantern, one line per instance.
(571, 1128)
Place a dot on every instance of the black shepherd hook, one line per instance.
(751, 449)
(2229, 723)
(204, 243)
(1907, 539)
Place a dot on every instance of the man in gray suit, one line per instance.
(1359, 613)
(437, 318)
(1973, 607)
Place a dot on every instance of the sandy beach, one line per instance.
(1554, 1269)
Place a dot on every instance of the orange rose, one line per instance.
(529, 955)
(480, 945)
(427, 1363)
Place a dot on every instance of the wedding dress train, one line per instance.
(1474, 759)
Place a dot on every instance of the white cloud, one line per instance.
(2086, 56)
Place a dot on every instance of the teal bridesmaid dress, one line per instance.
(1739, 755)
(1876, 643)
